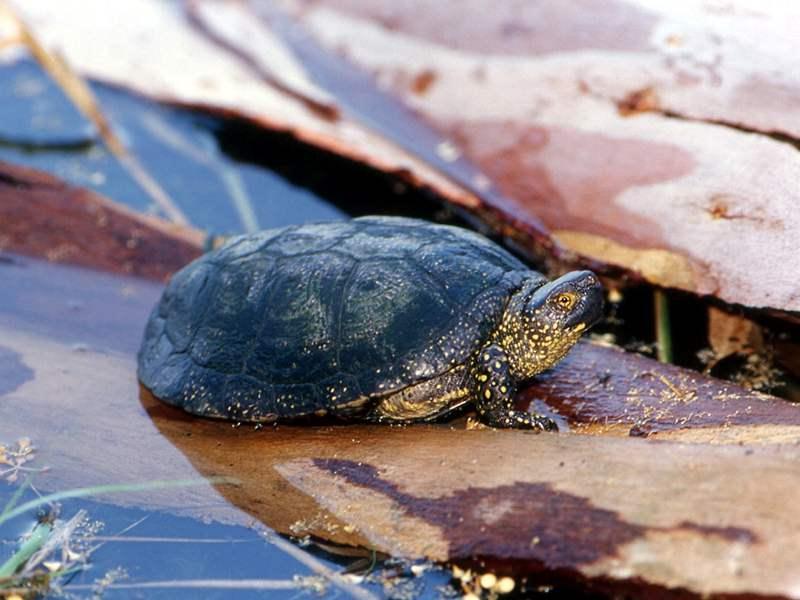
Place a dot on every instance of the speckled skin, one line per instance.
(385, 319)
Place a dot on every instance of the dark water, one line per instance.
(179, 148)
(227, 178)
(136, 547)
(203, 163)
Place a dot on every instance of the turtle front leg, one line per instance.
(494, 397)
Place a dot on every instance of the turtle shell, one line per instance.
(313, 318)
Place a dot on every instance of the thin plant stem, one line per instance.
(32, 545)
(12, 502)
(98, 490)
(663, 329)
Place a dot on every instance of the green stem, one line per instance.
(663, 330)
(15, 498)
(37, 538)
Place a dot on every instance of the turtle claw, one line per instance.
(517, 419)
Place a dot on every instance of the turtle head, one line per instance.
(543, 321)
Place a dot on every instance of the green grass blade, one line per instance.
(663, 328)
(98, 490)
(15, 497)
(37, 538)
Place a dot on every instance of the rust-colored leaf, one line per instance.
(43, 216)
(603, 390)
(614, 133)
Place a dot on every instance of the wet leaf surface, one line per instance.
(601, 389)
(652, 193)
(684, 486)
(423, 491)
(182, 149)
(42, 216)
(34, 114)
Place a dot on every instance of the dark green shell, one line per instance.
(292, 321)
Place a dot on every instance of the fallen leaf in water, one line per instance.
(43, 216)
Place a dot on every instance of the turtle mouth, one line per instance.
(574, 333)
(579, 328)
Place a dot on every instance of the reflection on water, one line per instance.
(227, 176)
(176, 146)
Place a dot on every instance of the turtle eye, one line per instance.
(566, 300)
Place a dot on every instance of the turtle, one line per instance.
(384, 319)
